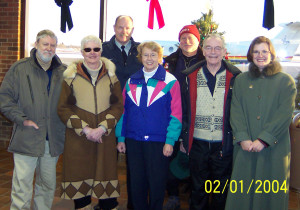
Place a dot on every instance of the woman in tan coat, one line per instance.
(90, 106)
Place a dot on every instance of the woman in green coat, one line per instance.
(261, 112)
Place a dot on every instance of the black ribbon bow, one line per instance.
(66, 17)
(268, 21)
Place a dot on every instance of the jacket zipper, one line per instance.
(30, 89)
(96, 108)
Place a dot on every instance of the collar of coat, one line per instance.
(171, 60)
(75, 68)
(54, 63)
(228, 66)
(112, 45)
(138, 77)
(272, 68)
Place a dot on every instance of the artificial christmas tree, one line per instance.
(206, 25)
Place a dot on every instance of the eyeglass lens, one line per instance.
(96, 49)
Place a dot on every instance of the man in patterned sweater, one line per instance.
(206, 130)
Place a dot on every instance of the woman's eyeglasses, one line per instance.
(96, 49)
(263, 52)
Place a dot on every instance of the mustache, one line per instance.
(46, 51)
(45, 55)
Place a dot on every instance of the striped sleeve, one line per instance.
(120, 126)
(175, 124)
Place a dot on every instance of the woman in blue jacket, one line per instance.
(150, 125)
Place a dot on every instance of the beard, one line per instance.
(46, 58)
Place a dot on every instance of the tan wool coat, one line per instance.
(90, 168)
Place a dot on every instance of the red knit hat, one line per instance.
(190, 29)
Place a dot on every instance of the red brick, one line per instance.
(9, 49)
(3, 14)
(8, 9)
(12, 40)
(6, 44)
(3, 4)
(13, 4)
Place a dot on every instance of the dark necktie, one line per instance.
(124, 54)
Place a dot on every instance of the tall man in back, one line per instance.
(121, 49)
(28, 97)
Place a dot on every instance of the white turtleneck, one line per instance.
(150, 74)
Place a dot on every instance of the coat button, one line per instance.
(276, 142)
(258, 117)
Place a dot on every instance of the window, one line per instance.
(46, 15)
(241, 21)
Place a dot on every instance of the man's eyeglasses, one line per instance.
(210, 48)
(96, 49)
(263, 52)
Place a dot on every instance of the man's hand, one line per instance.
(30, 123)
(181, 147)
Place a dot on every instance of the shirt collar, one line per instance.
(127, 45)
(138, 77)
(206, 71)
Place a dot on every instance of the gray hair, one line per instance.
(91, 38)
(45, 33)
(215, 36)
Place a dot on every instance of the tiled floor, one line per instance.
(6, 170)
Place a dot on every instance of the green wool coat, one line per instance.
(262, 107)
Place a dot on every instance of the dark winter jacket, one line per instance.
(175, 63)
(112, 52)
(189, 97)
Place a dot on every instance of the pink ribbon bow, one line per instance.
(154, 5)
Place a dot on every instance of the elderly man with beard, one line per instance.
(28, 97)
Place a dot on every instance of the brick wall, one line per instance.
(10, 50)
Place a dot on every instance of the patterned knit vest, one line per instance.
(209, 109)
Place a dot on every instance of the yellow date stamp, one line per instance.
(239, 186)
